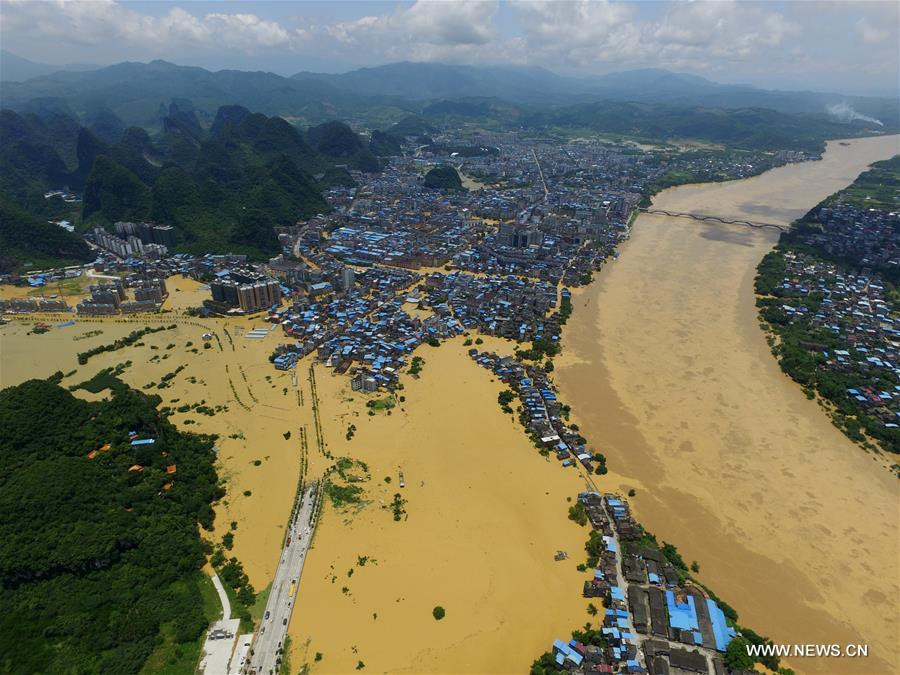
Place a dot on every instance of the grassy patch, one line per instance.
(173, 658)
(285, 667)
(343, 495)
(258, 607)
(108, 378)
(212, 607)
(385, 403)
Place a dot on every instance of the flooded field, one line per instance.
(669, 374)
(485, 514)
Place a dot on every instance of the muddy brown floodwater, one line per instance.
(670, 375)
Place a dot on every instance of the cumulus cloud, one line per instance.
(103, 24)
(869, 33)
(423, 30)
(581, 33)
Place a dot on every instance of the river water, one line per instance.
(670, 376)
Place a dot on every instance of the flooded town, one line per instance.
(449, 338)
(357, 336)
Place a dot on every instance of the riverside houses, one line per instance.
(653, 619)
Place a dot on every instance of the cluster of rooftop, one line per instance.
(828, 291)
(542, 415)
(652, 619)
(134, 240)
(150, 463)
(866, 238)
(110, 297)
(505, 306)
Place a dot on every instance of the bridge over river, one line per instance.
(716, 219)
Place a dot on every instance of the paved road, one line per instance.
(623, 583)
(223, 596)
(541, 172)
(219, 642)
(273, 630)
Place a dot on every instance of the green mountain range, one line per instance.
(140, 93)
(224, 188)
(747, 128)
(383, 94)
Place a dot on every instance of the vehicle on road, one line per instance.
(267, 614)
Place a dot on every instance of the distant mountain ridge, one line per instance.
(426, 81)
(134, 91)
(16, 69)
(543, 88)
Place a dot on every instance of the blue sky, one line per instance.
(850, 47)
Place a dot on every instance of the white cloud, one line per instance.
(425, 30)
(583, 33)
(869, 33)
(105, 23)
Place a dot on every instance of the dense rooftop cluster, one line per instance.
(867, 238)
(508, 307)
(828, 292)
(653, 618)
(375, 337)
(839, 336)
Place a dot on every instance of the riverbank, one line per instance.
(791, 523)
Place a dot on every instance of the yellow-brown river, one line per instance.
(670, 375)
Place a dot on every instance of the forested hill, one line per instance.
(98, 558)
(223, 188)
(24, 237)
(747, 128)
(445, 178)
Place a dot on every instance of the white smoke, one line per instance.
(845, 113)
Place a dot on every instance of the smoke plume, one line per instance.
(845, 113)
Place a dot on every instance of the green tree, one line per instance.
(736, 656)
